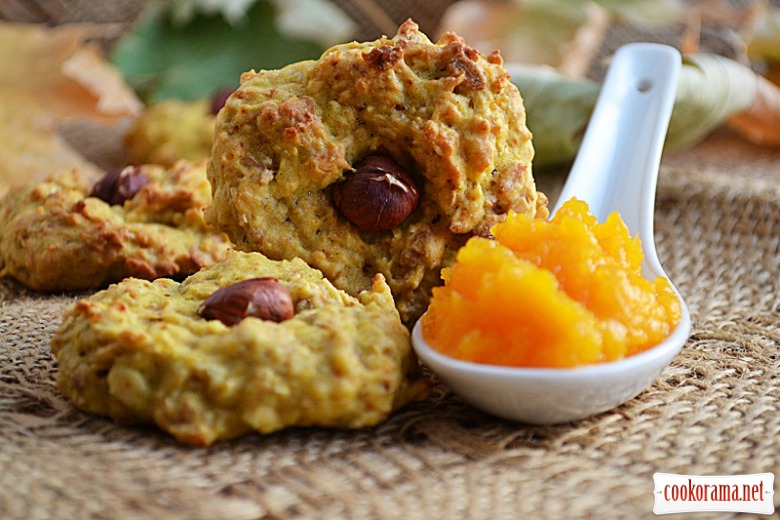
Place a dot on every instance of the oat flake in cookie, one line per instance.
(65, 233)
(442, 130)
(148, 352)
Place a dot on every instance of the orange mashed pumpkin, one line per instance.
(559, 293)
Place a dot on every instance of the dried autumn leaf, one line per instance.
(764, 38)
(562, 34)
(533, 32)
(714, 90)
(711, 89)
(763, 46)
(761, 122)
(52, 76)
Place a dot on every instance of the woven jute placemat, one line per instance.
(714, 411)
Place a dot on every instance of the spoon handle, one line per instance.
(617, 165)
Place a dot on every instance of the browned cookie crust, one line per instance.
(54, 236)
(443, 112)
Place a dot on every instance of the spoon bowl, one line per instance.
(616, 169)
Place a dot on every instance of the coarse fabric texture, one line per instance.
(714, 411)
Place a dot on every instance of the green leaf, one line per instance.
(163, 60)
(711, 89)
(557, 111)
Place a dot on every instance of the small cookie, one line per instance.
(380, 157)
(147, 222)
(140, 352)
(171, 130)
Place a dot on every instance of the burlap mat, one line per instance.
(714, 411)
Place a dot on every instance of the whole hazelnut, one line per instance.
(119, 185)
(265, 298)
(377, 195)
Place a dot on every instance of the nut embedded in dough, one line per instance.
(445, 113)
(265, 298)
(120, 185)
(378, 196)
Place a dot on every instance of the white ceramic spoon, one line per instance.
(615, 169)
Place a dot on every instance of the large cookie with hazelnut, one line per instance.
(66, 234)
(380, 157)
(248, 344)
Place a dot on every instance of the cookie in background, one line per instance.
(67, 233)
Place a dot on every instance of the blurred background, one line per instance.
(556, 50)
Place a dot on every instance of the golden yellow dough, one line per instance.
(139, 352)
(54, 236)
(171, 130)
(443, 111)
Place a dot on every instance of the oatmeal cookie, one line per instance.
(141, 352)
(147, 222)
(171, 130)
(380, 157)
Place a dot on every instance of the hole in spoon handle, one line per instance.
(616, 167)
(644, 85)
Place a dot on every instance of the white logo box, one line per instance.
(733, 493)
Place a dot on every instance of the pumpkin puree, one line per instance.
(559, 293)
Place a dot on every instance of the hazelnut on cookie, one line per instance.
(380, 157)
